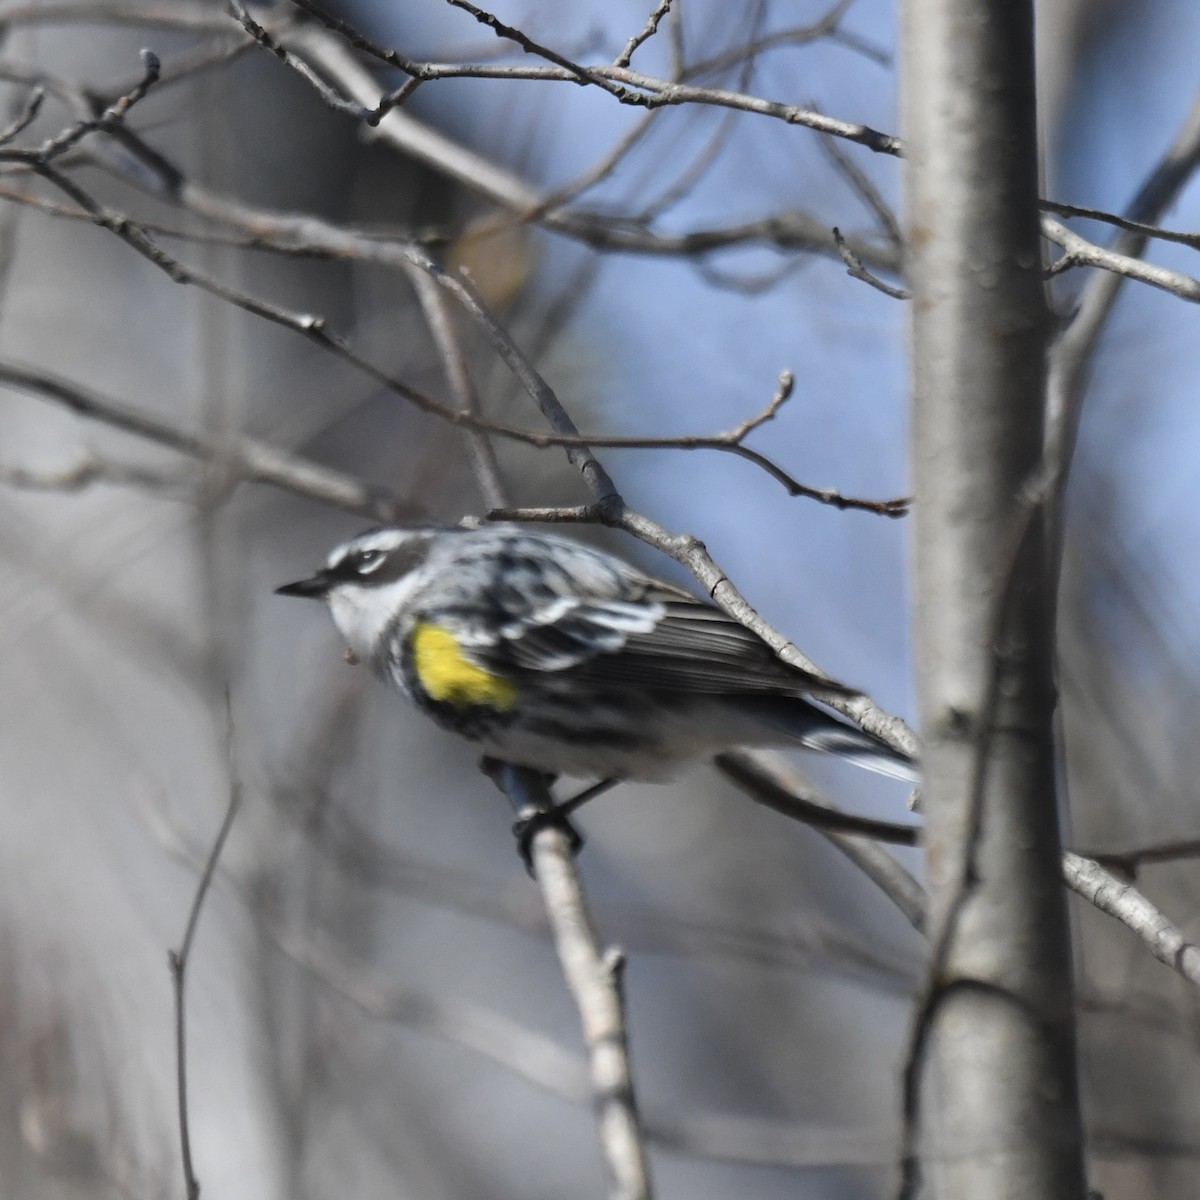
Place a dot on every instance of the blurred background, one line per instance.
(374, 1003)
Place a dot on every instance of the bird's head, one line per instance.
(366, 583)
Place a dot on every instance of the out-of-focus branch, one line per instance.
(793, 230)
(438, 317)
(88, 472)
(178, 959)
(790, 230)
(248, 458)
(1129, 862)
(594, 978)
(866, 191)
(1069, 356)
(323, 239)
(856, 270)
(765, 782)
(1127, 223)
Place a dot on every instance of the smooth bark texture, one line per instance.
(992, 1104)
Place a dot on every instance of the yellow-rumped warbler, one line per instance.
(549, 654)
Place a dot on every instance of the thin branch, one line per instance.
(1123, 902)
(107, 122)
(1082, 253)
(856, 270)
(179, 959)
(625, 85)
(87, 472)
(826, 28)
(784, 792)
(766, 782)
(482, 453)
(576, 514)
(791, 230)
(1129, 862)
(1057, 207)
(860, 183)
(581, 73)
(1064, 389)
(264, 39)
(25, 118)
(594, 978)
(640, 39)
(732, 441)
(248, 458)
(313, 327)
(574, 188)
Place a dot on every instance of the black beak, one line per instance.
(312, 589)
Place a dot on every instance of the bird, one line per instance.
(553, 655)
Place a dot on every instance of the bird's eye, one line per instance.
(364, 561)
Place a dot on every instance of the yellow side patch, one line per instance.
(450, 678)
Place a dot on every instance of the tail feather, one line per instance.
(805, 724)
(855, 746)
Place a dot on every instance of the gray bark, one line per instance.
(993, 1102)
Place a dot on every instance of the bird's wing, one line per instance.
(662, 639)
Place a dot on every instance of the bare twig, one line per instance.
(765, 781)
(313, 327)
(784, 792)
(639, 39)
(264, 39)
(436, 308)
(856, 270)
(1122, 901)
(827, 27)
(85, 473)
(252, 460)
(25, 118)
(1129, 862)
(1127, 223)
(594, 978)
(1082, 253)
(581, 73)
(178, 959)
(628, 87)
(107, 121)
(862, 186)
(1064, 388)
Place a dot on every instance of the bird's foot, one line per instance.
(532, 820)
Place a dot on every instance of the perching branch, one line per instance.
(594, 978)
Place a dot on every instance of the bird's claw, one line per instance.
(531, 821)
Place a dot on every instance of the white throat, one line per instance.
(364, 615)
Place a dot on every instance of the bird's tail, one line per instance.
(801, 723)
